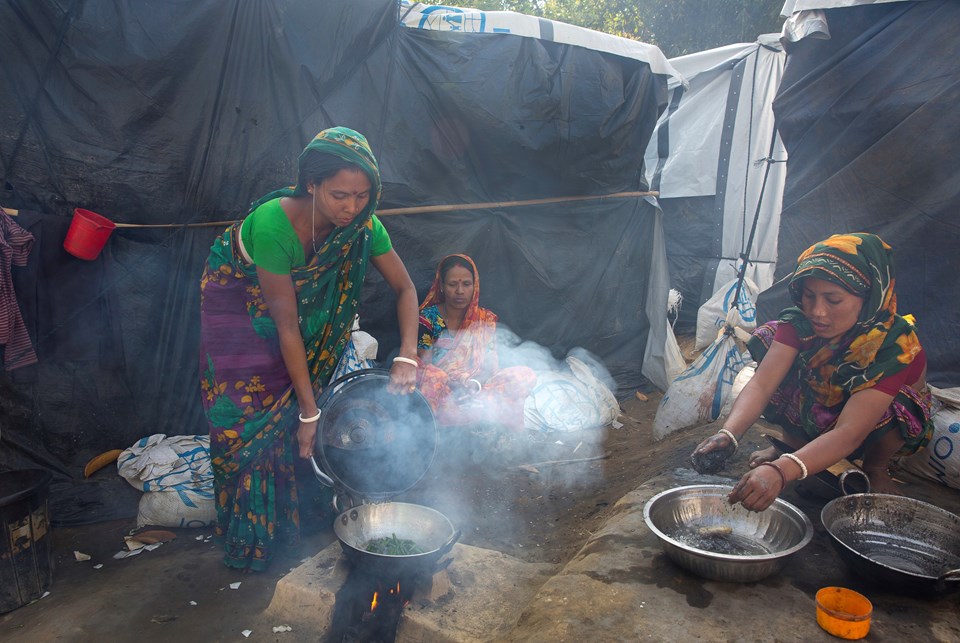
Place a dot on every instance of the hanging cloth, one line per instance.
(15, 246)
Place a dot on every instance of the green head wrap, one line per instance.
(334, 146)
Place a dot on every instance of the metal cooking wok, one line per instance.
(907, 545)
(429, 529)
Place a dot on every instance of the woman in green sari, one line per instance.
(278, 297)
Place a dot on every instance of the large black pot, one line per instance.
(906, 545)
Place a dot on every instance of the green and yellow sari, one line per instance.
(247, 393)
(827, 372)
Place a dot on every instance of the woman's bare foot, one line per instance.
(882, 482)
(763, 455)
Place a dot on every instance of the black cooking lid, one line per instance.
(374, 443)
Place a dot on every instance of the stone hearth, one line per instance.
(486, 594)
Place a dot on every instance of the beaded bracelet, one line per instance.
(783, 477)
(803, 467)
(733, 438)
(309, 419)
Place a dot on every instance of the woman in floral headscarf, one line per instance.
(460, 377)
(841, 372)
(278, 297)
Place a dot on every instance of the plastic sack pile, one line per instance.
(175, 475)
(697, 396)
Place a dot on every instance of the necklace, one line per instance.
(313, 221)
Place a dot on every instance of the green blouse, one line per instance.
(270, 240)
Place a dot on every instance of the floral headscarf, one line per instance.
(879, 345)
(465, 358)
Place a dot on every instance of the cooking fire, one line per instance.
(368, 608)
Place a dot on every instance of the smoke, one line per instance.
(485, 468)
(486, 471)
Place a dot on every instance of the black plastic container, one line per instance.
(26, 570)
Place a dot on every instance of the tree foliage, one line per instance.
(678, 27)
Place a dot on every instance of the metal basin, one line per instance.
(906, 545)
(700, 531)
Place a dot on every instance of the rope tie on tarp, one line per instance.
(768, 160)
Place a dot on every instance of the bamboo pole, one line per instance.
(206, 224)
(426, 209)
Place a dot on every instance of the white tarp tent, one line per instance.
(712, 148)
(792, 6)
(466, 20)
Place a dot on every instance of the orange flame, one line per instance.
(373, 603)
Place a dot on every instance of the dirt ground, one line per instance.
(497, 491)
(477, 481)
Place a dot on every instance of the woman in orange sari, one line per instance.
(459, 374)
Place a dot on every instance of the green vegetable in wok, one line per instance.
(393, 546)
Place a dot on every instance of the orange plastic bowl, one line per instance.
(843, 612)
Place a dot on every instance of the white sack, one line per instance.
(359, 353)
(697, 395)
(175, 474)
(160, 462)
(365, 344)
(949, 396)
(673, 359)
(573, 401)
(713, 314)
(183, 508)
(354, 357)
(940, 461)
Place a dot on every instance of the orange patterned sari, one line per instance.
(469, 354)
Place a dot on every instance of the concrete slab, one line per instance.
(621, 586)
(305, 597)
(489, 591)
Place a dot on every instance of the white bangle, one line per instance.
(803, 467)
(405, 360)
(733, 438)
(477, 382)
(309, 419)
